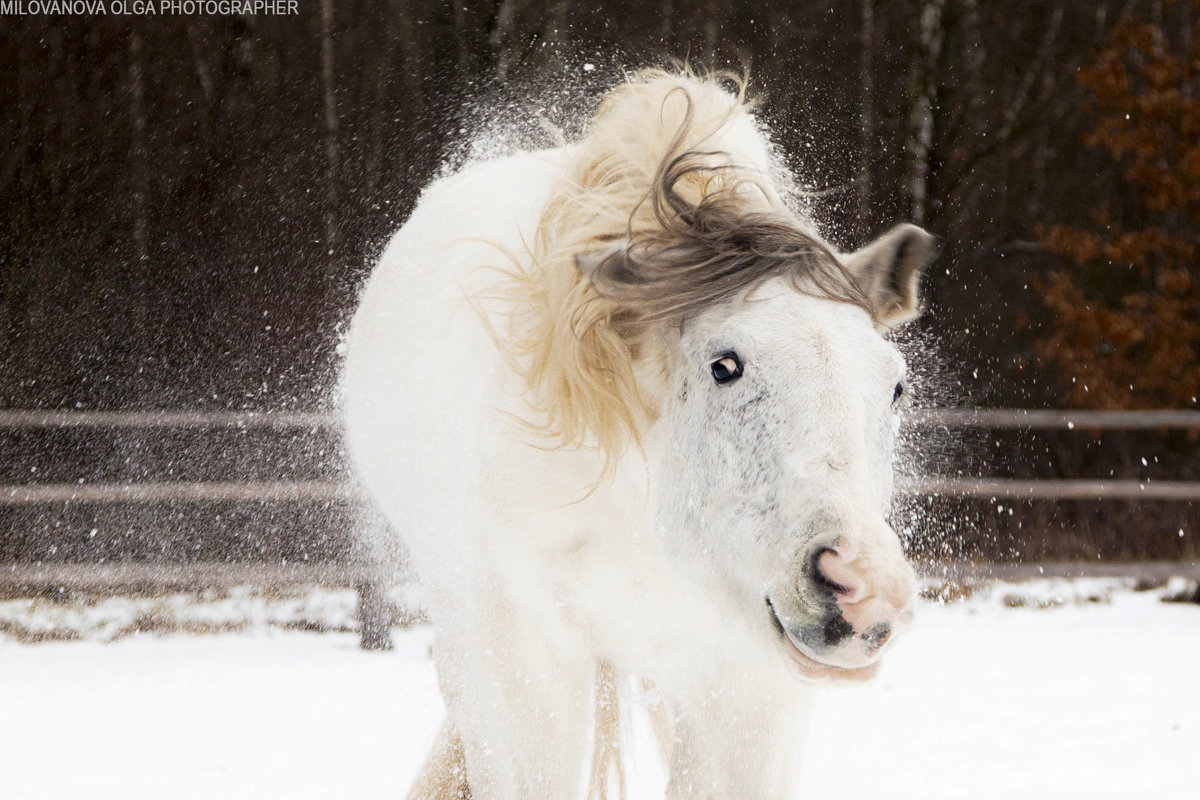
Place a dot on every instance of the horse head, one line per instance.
(706, 312)
(778, 416)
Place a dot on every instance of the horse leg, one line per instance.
(519, 697)
(444, 776)
(735, 740)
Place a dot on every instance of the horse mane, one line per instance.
(668, 205)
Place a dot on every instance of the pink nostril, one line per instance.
(845, 581)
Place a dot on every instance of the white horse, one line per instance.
(634, 419)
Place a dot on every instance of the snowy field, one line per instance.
(1047, 690)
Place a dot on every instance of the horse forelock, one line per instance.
(673, 183)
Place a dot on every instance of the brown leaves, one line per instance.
(1140, 352)
(1126, 314)
(1150, 114)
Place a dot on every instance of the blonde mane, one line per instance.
(669, 197)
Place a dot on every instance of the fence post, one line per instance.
(374, 616)
(377, 565)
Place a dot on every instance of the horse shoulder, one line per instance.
(433, 415)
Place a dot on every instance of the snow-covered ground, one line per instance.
(1047, 690)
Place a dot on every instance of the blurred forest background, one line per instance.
(190, 203)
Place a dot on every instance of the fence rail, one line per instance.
(183, 576)
(201, 491)
(994, 418)
(24, 418)
(327, 491)
(1016, 489)
(1054, 419)
(330, 492)
(1139, 570)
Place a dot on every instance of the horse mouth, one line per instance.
(811, 669)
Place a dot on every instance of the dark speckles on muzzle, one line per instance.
(876, 636)
(829, 632)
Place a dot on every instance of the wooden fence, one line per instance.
(282, 491)
(346, 573)
(25, 567)
(1053, 419)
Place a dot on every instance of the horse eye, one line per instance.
(896, 395)
(727, 368)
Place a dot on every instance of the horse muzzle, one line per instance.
(836, 620)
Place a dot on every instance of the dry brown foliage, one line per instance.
(1126, 311)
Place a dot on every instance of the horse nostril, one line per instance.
(839, 576)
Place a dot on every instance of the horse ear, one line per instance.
(607, 269)
(889, 271)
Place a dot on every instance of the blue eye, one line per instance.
(727, 368)
(896, 395)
